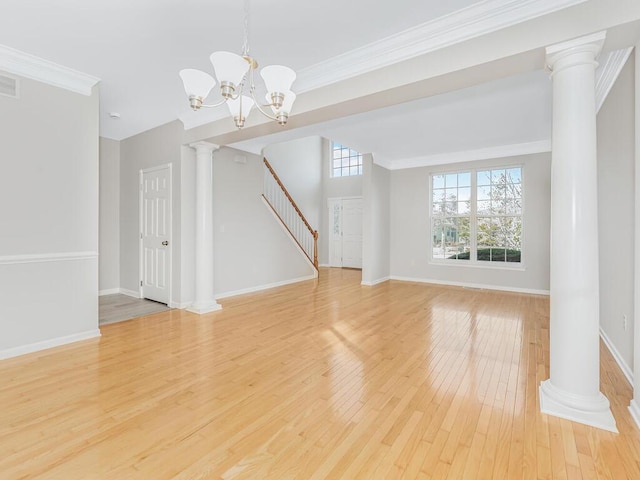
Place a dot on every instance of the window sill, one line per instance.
(519, 267)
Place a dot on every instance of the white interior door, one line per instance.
(155, 232)
(352, 233)
(345, 234)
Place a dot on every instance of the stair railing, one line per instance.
(280, 201)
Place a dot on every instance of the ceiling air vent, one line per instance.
(8, 86)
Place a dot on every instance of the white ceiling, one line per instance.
(137, 47)
(510, 111)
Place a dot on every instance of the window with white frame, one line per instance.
(345, 161)
(476, 215)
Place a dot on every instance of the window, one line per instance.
(346, 162)
(476, 215)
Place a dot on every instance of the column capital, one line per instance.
(578, 51)
(204, 147)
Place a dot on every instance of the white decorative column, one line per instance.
(205, 301)
(573, 391)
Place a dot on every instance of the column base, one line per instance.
(202, 308)
(593, 411)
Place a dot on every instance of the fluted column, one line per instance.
(204, 301)
(573, 389)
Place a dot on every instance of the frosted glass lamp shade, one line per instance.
(278, 78)
(229, 67)
(196, 83)
(287, 105)
(234, 106)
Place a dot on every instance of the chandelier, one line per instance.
(235, 74)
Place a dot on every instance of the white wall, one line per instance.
(109, 217)
(252, 250)
(48, 218)
(616, 158)
(159, 146)
(410, 229)
(298, 163)
(376, 222)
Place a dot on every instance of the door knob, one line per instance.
(165, 243)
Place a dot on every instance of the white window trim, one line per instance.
(473, 262)
(331, 173)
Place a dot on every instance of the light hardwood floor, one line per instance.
(320, 380)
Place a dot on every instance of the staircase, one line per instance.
(277, 197)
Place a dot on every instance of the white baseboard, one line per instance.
(109, 291)
(179, 305)
(129, 293)
(471, 285)
(54, 342)
(324, 265)
(288, 235)
(628, 373)
(264, 287)
(634, 409)
(375, 282)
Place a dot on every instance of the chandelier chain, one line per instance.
(245, 45)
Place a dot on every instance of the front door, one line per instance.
(345, 235)
(155, 233)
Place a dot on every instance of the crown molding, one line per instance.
(36, 68)
(472, 155)
(607, 73)
(478, 19)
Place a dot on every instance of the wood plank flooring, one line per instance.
(320, 380)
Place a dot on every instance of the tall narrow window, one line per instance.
(476, 215)
(345, 161)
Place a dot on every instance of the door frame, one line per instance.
(330, 200)
(141, 173)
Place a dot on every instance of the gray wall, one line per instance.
(410, 228)
(252, 250)
(109, 217)
(616, 160)
(298, 163)
(376, 222)
(48, 218)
